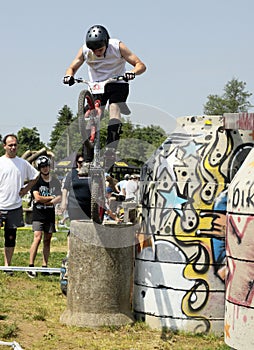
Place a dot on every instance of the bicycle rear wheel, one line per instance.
(97, 196)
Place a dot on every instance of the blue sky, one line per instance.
(192, 48)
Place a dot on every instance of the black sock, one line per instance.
(114, 132)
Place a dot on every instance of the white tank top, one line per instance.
(102, 68)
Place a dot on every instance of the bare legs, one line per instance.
(46, 248)
(114, 111)
(35, 245)
(8, 253)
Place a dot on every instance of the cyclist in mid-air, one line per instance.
(107, 58)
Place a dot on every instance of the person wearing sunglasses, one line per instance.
(76, 200)
(14, 173)
(76, 195)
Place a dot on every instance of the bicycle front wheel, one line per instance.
(85, 104)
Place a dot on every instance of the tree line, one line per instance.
(65, 138)
(137, 142)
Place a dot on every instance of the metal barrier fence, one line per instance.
(50, 270)
(14, 345)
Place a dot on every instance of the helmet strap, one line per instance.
(105, 51)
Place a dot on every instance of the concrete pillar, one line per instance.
(100, 272)
(239, 306)
(179, 265)
(181, 260)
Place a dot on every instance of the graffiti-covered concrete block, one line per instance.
(239, 313)
(183, 193)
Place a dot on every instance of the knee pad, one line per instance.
(10, 237)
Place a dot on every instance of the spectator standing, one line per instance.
(76, 195)
(131, 188)
(76, 199)
(14, 171)
(120, 187)
(46, 193)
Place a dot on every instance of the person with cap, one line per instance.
(46, 193)
(106, 58)
(131, 188)
(121, 186)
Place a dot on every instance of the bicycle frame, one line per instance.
(94, 111)
(89, 111)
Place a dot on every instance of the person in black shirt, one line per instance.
(76, 195)
(46, 193)
(76, 199)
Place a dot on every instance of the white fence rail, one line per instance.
(14, 345)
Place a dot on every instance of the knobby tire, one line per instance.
(85, 101)
(97, 197)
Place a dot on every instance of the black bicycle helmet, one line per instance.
(97, 37)
(42, 161)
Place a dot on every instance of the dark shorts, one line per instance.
(14, 218)
(47, 227)
(116, 93)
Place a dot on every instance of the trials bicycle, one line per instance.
(90, 113)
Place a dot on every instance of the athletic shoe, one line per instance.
(31, 274)
(46, 273)
(8, 272)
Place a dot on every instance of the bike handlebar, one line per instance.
(117, 78)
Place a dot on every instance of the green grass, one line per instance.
(30, 311)
(23, 244)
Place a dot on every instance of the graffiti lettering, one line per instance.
(244, 121)
(243, 198)
(249, 200)
(236, 197)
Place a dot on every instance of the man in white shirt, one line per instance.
(14, 171)
(120, 187)
(132, 188)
